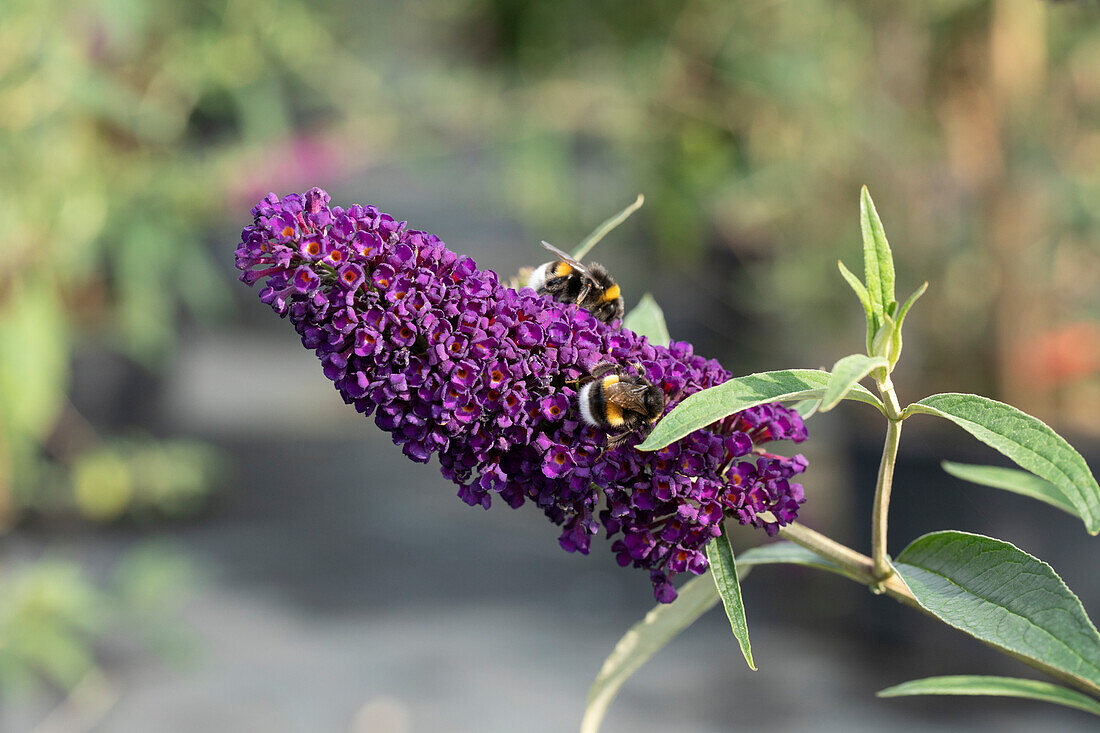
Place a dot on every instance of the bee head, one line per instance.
(654, 400)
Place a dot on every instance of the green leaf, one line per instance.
(972, 684)
(1005, 597)
(1011, 479)
(806, 408)
(642, 641)
(647, 319)
(703, 408)
(883, 340)
(864, 298)
(666, 620)
(878, 261)
(602, 230)
(895, 340)
(723, 568)
(1026, 440)
(909, 303)
(786, 553)
(859, 288)
(845, 375)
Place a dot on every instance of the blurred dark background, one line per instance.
(195, 532)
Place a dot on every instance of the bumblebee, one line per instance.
(568, 281)
(612, 400)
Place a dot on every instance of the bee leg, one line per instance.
(553, 287)
(614, 441)
(595, 373)
(601, 369)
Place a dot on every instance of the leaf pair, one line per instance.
(984, 587)
(1057, 474)
(876, 294)
(1010, 600)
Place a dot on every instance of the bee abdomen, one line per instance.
(595, 408)
(584, 401)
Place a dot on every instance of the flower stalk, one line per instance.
(855, 565)
(860, 568)
(880, 567)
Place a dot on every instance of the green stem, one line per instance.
(855, 565)
(860, 568)
(880, 568)
(876, 571)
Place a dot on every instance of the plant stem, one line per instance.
(855, 565)
(880, 568)
(860, 568)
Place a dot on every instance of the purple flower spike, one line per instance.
(453, 364)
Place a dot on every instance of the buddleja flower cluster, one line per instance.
(453, 363)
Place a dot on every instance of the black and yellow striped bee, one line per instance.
(568, 281)
(619, 403)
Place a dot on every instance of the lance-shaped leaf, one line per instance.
(666, 620)
(1003, 596)
(602, 230)
(895, 342)
(645, 639)
(883, 340)
(647, 319)
(970, 684)
(723, 568)
(864, 299)
(1026, 440)
(878, 261)
(845, 375)
(703, 408)
(1011, 479)
(787, 553)
(806, 408)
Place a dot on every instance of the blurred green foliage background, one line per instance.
(134, 135)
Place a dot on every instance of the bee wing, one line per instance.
(629, 398)
(576, 265)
